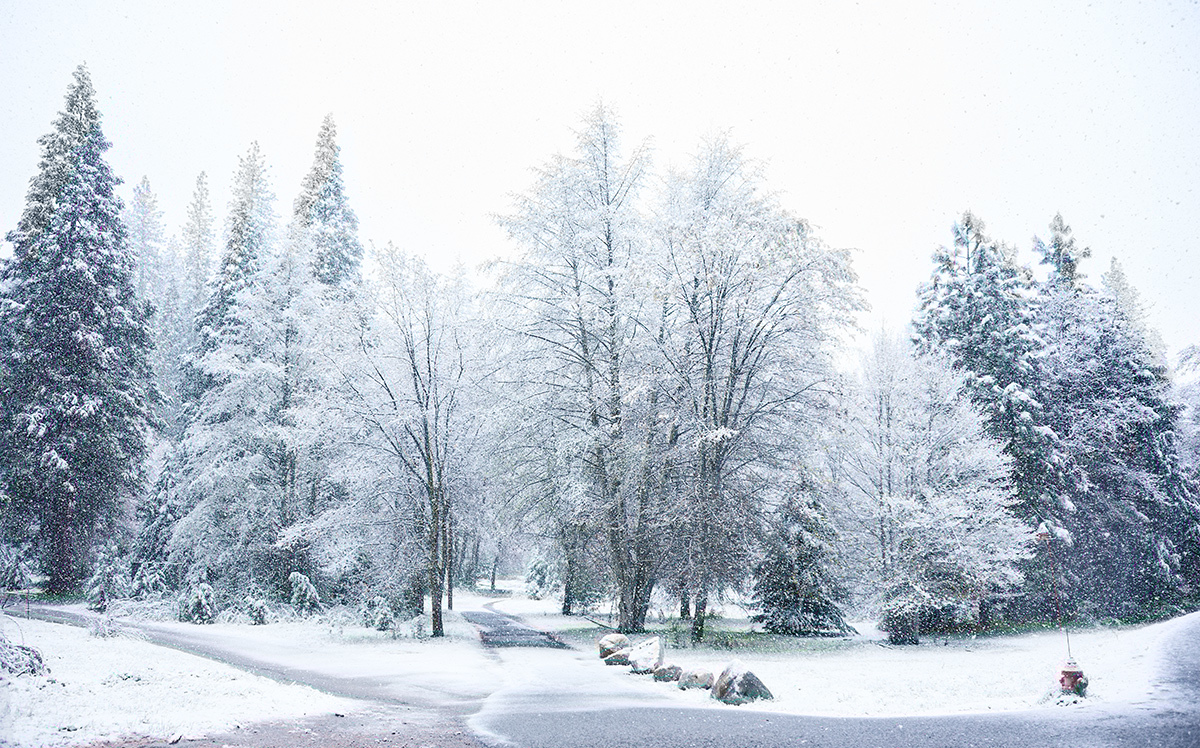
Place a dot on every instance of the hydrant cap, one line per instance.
(1070, 666)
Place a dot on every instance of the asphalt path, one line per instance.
(1169, 719)
(500, 630)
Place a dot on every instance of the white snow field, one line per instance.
(108, 688)
(118, 687)
(863, 676)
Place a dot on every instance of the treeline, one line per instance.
(643, 404)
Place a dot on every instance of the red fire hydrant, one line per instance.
(1072, 679)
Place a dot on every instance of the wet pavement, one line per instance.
(499, 630)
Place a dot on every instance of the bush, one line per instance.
(19, 659)
(256, 608)
(377, 614)
(304, 594)
(540, 579)
(199, 606)
(103, 627)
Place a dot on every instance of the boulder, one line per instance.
(612, 643)
(647, 655)
(737, 685)
(668, 673)
(695, 678)
(620, 657)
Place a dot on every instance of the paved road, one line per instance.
(1170, 720)
(500, 630)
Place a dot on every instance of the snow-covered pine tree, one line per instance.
(196, 258)
(160, 284)
(323, 210)
(109, 580)
(197, 243)
(320, 318)
(1188, 396)
(143, 223)
(1129, 521)
(78, 388)
(794, 584)
(978, 309)
(231, 511)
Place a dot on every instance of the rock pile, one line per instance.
(736, 684)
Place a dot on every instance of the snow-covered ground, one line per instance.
(106, 688)
(119, 687)
(862, 676)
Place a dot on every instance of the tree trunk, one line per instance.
(698, 619)
(495, 563)
(435, 565)
(568, 603)
(63, 576)
(449, 549)
(475, 563)
(685, 606)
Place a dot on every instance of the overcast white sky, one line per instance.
(880, 122)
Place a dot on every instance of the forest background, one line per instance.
(652, 383)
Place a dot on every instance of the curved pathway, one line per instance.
(543, 705)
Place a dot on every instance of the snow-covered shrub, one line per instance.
(540, 579)
(152, 608)
(256, 608)
(103, 627)
(19, 659)
(304, 594)
(199, 606)
(377, 614)
(15, 573)
(416, 627)
(109, 580)
(902, 613)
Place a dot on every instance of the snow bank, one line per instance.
(114, 688)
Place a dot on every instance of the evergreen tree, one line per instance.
(249, 231)
(1129, 520)
(794, 584)
(230, 513)
(75, 350)
(323, 210)
(143, 222)
(197, 245)
(159, 285)
(979, 310)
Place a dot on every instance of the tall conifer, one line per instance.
(77, 387)
(324, 211)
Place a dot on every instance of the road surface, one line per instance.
(532, 715)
